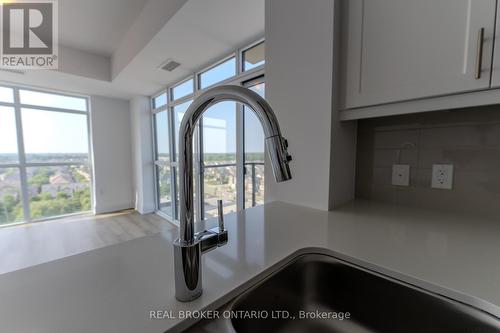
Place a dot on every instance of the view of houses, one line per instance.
(220, 182)
(52, 190)
(64, 189)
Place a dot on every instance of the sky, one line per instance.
(54, 132)
(8, 136)
(44, 131)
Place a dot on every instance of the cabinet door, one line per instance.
(495, 71)
(408, 49)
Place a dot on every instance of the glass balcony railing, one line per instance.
(254, 184)
(219, 182)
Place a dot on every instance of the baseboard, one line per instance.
(102, 209)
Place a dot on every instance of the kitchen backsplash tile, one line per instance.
(394, 139)
(469, 139)
(463, 159)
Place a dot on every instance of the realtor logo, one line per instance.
(29, 34)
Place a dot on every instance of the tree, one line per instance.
(45, 205)
(41, 176)
(9, 209)
(62, 195)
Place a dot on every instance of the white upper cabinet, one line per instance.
(495, 71)
(399, 50)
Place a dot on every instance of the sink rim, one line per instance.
(240, 298)
(229, 300)
(388, 273)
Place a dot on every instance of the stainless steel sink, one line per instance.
(317, 284)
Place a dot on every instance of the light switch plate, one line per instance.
(401, 174)
(442, 176)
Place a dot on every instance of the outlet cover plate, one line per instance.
(401, 174)
(442, 176)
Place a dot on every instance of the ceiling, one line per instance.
(96, 26)
(200, 33)
(115, 47)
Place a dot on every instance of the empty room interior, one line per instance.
(242, 166)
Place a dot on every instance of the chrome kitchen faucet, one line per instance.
(189, 247)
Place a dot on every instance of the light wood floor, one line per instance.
(27, 245)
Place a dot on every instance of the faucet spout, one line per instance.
(187, 247)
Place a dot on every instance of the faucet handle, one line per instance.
(222, 234)
(212, 238)
(220, 215)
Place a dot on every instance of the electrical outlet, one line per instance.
(442, 176)
(401, 174)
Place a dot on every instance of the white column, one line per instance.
(142, 148)
(300, 86)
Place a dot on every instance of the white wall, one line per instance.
(142, 147)
(299, 55)
(344, 134)
(112, 154)
(300, 86)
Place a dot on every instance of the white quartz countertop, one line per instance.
(113, 289)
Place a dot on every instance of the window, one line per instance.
(31, 97)
(58, 190)
(6, 95)
(254, 142)
(228, 142)
(162, 136)
(8, 136)
(160, 100)
(218, 73)
(44, 155)
(166, 125)
(254, 57)
(182, 89)
(218, 132)
(52, 136)
(10, 196)
(163, 156)
(164, 176)
(179, 111)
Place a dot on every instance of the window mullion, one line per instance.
(22, 157)
(240, 158)
(201, 171)
(90, 159)
(240, 143)
(173, 160)
(198, 154)
(239, 62)
(155, 157)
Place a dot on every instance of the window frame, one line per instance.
(170, 91)
(242, 57)
(153, 98)
(22, 165)
(234, 55)
(240, 78)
